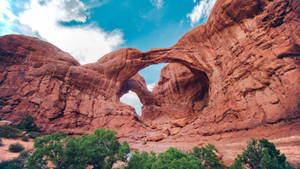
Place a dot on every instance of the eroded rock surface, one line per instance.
(179, 92)
(40, 79)
(239, 72)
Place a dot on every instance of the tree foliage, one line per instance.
(10, 132)
(171, 159)
(16, 163)
(261, 154)
(174, 158)
(208, 157)
(17, 147)
(99, 150)
(142, 160)
(27, 124)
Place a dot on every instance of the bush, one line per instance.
(17, 147)
(99, 150)
(27, 124)
(9, 132)
(34, 134)
(174, 158)
(141, 160)
(208, 157)
(17, 163)
(25, 138)
(171, 159)
(261, 154)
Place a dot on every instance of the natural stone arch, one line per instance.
(178, 88)
(121, 65)
(138, 85)
(250, 57)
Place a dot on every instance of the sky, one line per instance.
(89, 29)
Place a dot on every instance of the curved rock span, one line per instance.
(239, 72)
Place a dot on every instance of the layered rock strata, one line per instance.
(240, 71)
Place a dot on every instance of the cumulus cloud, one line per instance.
(86, 42)
(133, 100)
(157, 3)
(201, 11)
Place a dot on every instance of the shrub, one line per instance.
(27, 124)
(208, 157)
(171, 159)
(142, 160)
(17, 147)
(261, 154)
(34, 134)
(1, 144)
(99, 150)
(25, 138)
(16, 163)
(9, 132)
(174, 158)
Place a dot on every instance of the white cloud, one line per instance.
(133, 100)
(150, 86)
(201, 11)
(87, 42)
(6, 17)
(157, 3)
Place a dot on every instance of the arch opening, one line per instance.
(140, 85)
(180, 92)
(132, 99)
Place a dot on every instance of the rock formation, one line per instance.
(240, 71)
(180, 93)
(40, 79)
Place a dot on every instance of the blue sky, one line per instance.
(89, 29)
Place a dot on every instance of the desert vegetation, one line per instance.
(27, 124)
(101, 150)
(24, 129)
(15, 148)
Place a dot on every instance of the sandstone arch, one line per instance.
(179, 88)
(248, 49)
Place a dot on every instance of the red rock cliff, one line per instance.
(237, 72)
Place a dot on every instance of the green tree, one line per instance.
(176, 159)
(99, 150)
(171, 159)
(142, 160)
(16, 163)
(208, 157)
(27, 124)
(261, 154)
(237, 164)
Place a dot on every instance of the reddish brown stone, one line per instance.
(239, 72)
(180, 123)
(156, 137)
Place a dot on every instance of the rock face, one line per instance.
(40, 79)
(179, 92)
(239, 71)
